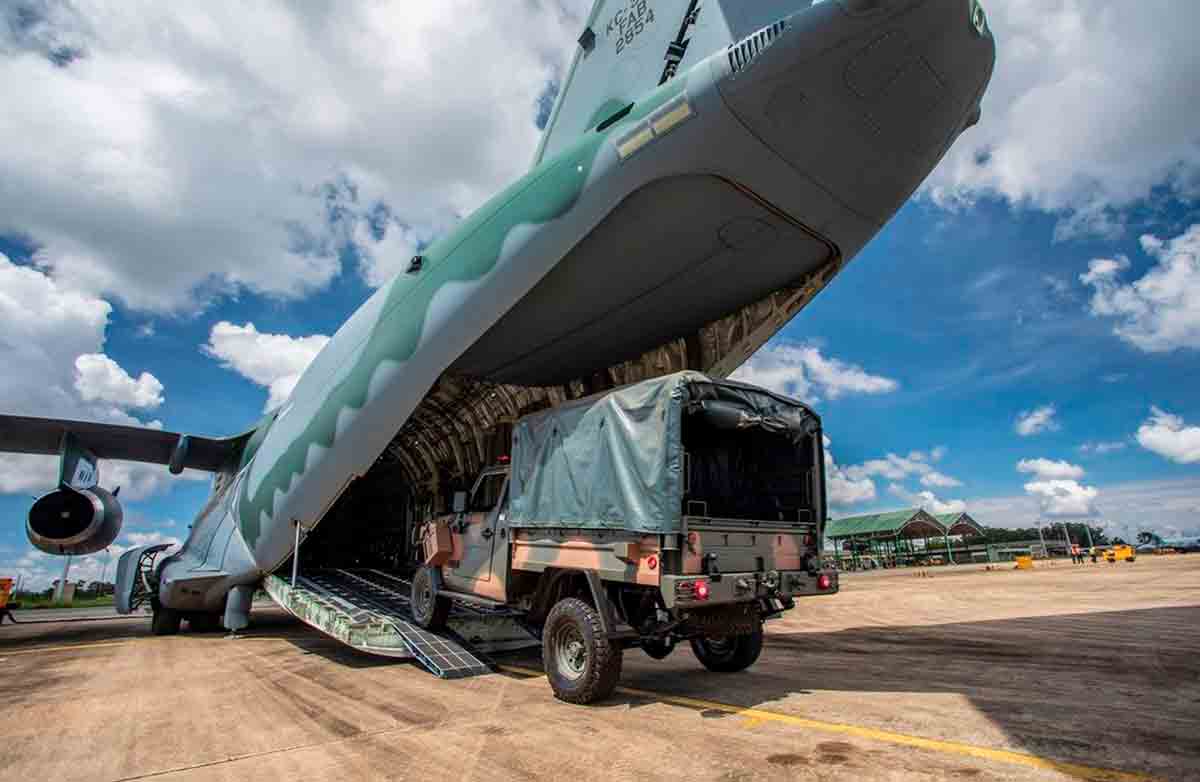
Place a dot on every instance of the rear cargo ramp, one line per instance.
(370, 611)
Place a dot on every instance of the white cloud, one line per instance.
(52, 352)
(100, 379)
(843, 490)
(927, 500)
(1115, 68)
(802, 371)
(1063, 498)
(1160, 311)
(1049, 469)
(38, 570)
(1101, 448)
(1171, 508)
(939, 480)
(1167, 435)
(185, 153)
(1041, 419)
(274, 361)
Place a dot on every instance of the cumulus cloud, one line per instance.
(1049, 469)
(896, 468)
(100, 379)
(38, 570)
(842, 489)
(136, 133)
(936, 479)
(1168, 436)
(927, 500)
(1160, 311)
(1063, 498)
(52, 352)
(274, 361)
(1117, 70)
(1036, 421)
(802, 371)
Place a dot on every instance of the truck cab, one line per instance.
(676, 510)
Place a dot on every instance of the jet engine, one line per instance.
(74, 521)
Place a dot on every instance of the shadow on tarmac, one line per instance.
(1119, 689)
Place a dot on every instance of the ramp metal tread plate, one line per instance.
(444, 657)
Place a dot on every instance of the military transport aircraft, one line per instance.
(709, 166)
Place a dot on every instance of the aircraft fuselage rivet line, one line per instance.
(754, 717)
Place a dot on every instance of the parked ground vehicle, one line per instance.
(677, 509)
(1120, 553)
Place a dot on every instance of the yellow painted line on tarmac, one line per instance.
(754, 717)
(65, 647)
(128, 642)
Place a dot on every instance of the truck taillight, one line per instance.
(824, 582)
(692, 590)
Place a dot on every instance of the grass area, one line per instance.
(79, 602)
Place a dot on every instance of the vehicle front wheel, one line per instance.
(583, 666)
(729, 654)
(164, 621)
(429, 609)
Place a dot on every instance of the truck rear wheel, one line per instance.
(164, 621)
(582, 664)
(429, 609)
(729, 654)
(204, 623)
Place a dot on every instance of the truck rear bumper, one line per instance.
(685, 591)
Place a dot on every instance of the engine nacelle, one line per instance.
(74, 521)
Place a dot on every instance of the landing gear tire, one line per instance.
(730, 653)
(164, 621)
(204, 623)
(659, 650)
(583, 666)
(429, 609)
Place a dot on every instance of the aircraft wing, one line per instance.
(21, 434)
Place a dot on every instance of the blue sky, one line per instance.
(1046, 273)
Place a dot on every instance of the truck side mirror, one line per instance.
(460, 501)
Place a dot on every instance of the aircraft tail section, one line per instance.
(629, 47)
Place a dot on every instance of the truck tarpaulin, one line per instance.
(614, 460)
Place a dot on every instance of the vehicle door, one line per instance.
(478, 529)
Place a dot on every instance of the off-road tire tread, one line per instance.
(745, 654)
(606, 657)
(441, 607)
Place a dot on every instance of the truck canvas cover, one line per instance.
(614, 460)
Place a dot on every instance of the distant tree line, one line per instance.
(1052, 534)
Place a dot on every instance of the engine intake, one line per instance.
(74, 521)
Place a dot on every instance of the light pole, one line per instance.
(62, 584)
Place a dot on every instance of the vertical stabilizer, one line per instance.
(628, 47)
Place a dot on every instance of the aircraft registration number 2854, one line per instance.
(628, 23)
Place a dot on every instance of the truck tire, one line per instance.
(429, 609)
(582, 664)
(729, 654)
(204, 623)
(164, 621)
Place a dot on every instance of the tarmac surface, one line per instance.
(1065, 672)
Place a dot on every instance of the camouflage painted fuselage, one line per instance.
(811, 133)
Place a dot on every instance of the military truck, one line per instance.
(683, 508)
